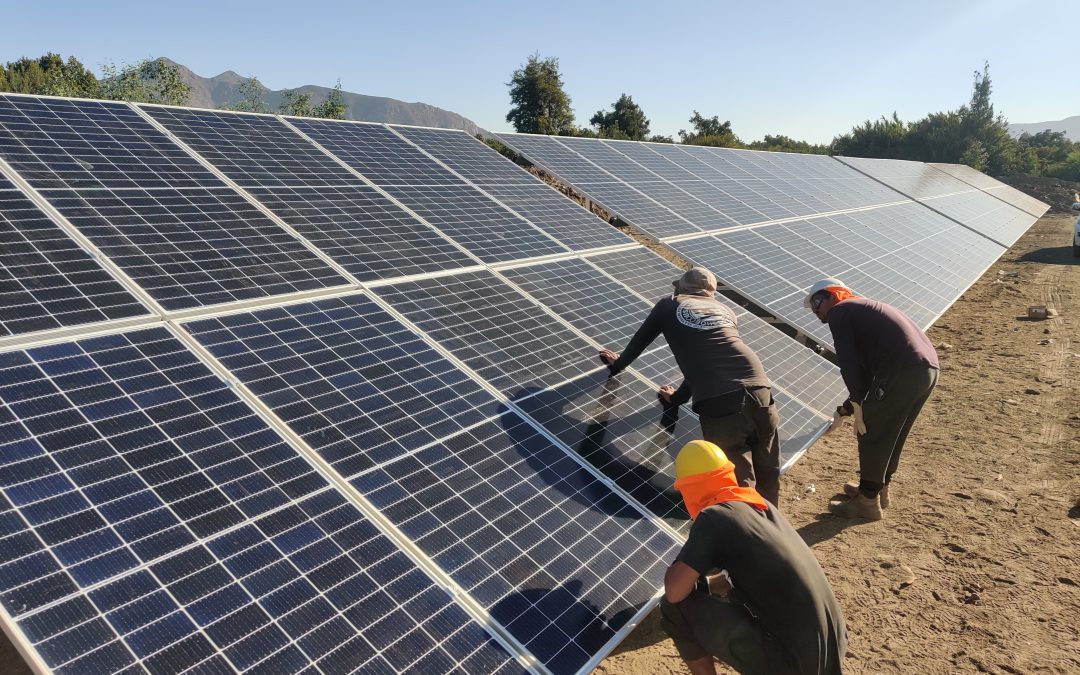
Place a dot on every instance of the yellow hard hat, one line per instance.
(699, 457)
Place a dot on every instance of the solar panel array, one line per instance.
(978, 209)
(770, 224)
(671, 190)
(281, 394)
(1004, 192)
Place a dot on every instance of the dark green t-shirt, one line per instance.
(776, 575)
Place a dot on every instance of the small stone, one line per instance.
(1034, 392)
(1046, 331)
(811, 489)
(972, 599)
(1012, 401)
(944, 345)
(937, 596)
(1067, 581)
(1047, 341)
(989, 496)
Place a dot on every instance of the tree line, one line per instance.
(973, 134)
(151, 80)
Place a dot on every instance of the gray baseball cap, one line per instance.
(696, 281)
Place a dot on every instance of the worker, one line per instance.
(890, 369)
(731, 393)
(745, 588)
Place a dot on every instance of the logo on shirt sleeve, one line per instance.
(704, 314)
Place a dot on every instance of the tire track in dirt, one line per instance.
(1053, 370)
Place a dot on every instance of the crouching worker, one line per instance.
(745, 588)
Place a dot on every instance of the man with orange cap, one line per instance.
(745, 588)
(732, 394)
(890, 369)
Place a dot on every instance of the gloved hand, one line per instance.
(860, 425)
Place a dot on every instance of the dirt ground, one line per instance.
(976, 566)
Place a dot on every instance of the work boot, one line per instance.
(851, 489)
(858, 506)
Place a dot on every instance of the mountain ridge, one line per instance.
(1070, 125)
(224, 90)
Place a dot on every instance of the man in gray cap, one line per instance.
(731, 393)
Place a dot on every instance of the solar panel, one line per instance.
(556, 557)
(496, 331)
(74, 144)
(596, 305)
(516, 188)
(171, 225)
(152, 521)
(362, 230)
(904, 255)
(47, 281)
(599, 185)
(354, 383)
(939, 190)
(252, 150)
(195, 247)
(505, 513)
(443, 199)
(995, 187)
(618, 426)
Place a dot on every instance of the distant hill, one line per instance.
(223, 89)
(1070, 125)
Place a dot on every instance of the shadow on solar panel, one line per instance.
(617, 425)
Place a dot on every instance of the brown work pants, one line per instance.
(748, 436)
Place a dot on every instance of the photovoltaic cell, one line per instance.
(176, 229)
(152, 521)
(47, 280)
(998, 220)
(440, 197)
(195, 247)
(493, 329)
(516, 188)
(349, 379)
(554, 555)
(995, 187)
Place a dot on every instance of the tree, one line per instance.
(252, 93)
(333, 107)
(148, 81)
(659, 138)
(626, 119)
(884, 138)
(781, 143)
(49, 75)
(709, 131)
(539, 105)
(295, 103)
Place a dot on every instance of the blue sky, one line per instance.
(810, 70)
